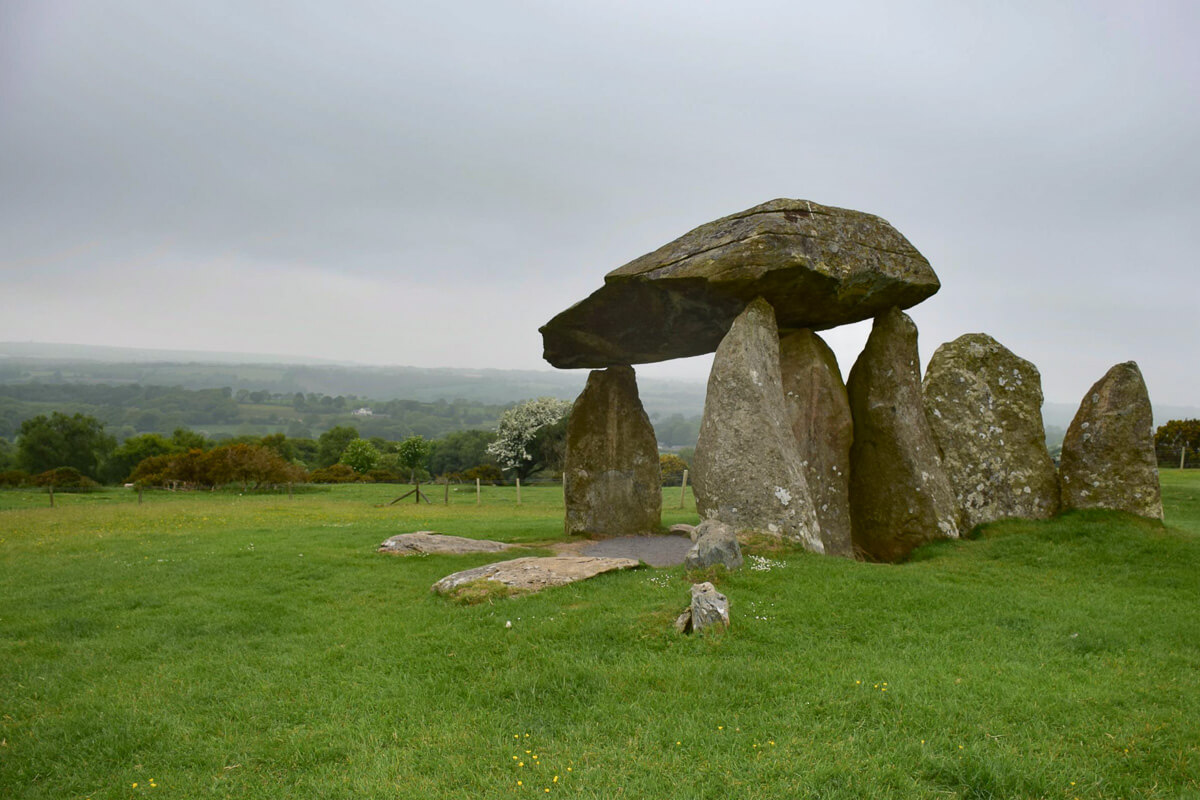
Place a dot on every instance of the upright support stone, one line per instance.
(984, 405)
(1108, 458)
(815, 399)
(747, 467)
(611, 482)
(899, 495)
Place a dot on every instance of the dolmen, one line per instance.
(872, 467)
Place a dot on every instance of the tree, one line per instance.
(518, 428)
(412, 453)
(1176, 439)
(133, 451)
(8, 454)
(77, 441)
(333, 442)
(460, 451)
(183, 439)
(360, 455)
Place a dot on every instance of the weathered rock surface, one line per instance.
(1108, 458)
(716, 543)
(814, 398)
(819, 266)
(534, 574)
(984, 405)
(683, 529)
(611, 477)
(747, 471)
(900, 497)
(709, 608)
(428, 542)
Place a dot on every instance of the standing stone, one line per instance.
(747, 467)
(984, 405)
(611, 480)
(709, 607)
(1108, 458)
(818, 409)
(899, 495)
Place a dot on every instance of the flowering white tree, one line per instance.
(515, 446)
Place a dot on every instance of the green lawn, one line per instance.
(218, 645)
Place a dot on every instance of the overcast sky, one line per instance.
(426, 184)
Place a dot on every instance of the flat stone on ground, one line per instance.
(532, 574)
(657, 551)
(428, 542)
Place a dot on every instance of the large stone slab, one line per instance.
(532, 574)
(422, 543)
(900, 497)
(611, 478)
(819, 266)
(984, 405)
(818, 409)
(747, 470)
(1108, 458)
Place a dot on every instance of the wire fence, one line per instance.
(1177, 456)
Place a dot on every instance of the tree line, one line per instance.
(131, 409)
(75, 450)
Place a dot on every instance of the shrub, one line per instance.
(672, 469)
(64, 478)
(486, 473)
(13, 477)
(337, 473)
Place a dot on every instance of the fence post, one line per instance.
(1182, 455)
(518, 491)
(477, 499)
(51, 488)
(139, 494)
(446, 499)
(683, 488)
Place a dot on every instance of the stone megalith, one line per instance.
(611, 480)
(747, 471)
(818, 266)
(818, 410)
(1108, 458)
(899, 495)
(984, 405)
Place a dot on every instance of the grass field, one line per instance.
(219, 645)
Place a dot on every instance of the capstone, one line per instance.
(819, 266)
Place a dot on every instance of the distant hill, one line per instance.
(53, 363)
(70, 363)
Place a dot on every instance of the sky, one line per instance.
(426, 184)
